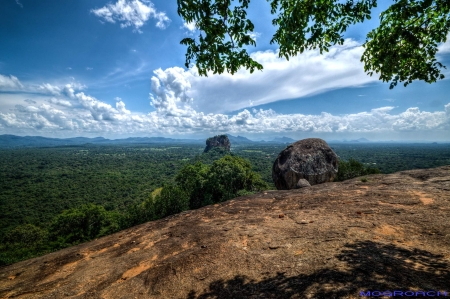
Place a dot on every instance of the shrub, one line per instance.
(230, 174)
(192, 179)
(26, 235)
(352, 168)
(172, 200)
(79, 224)
(227, 177)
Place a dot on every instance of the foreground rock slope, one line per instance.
(326, 241)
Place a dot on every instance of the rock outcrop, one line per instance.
(310, 159)
(302, 183)
(331, 240)
(217, 141)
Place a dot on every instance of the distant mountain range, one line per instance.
(240, 140)
(360, 140)
(37, 141)
(284, 140)
(11, 141)
(7, 141)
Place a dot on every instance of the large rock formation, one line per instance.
(217, 141)
(310, 159)
(331, 240)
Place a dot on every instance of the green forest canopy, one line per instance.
(55, 197)
(401, 49)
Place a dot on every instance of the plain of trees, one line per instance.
(51, 198)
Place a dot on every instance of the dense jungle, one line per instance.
(55, 197)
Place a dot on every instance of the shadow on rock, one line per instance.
(369, 266)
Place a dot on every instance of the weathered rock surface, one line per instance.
(302, 183)
(334, 240)
(310, 159)
(217, 141)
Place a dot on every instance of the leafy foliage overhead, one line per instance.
(401, 49)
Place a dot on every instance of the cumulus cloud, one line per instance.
(169, 92)
(254, 35)
(303, 75)
(59, 102)
(10, 83)
(82, 114)
(36, 118)
(99, 110)
(181, 98)
(50, 89)
(190, 26)
(132, 13)
(120, 106)
(444, 48)
(69, 89)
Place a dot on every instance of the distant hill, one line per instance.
(284, 140)
(239, 140)
(10, 141)
(362, 140)
(359, 140)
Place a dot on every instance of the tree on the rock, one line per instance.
(79, 224)
(193, 178)
(229, 175)
(401, 49)
(171, 200)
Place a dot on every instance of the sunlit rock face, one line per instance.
(310, 159)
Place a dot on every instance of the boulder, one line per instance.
(309, 159)
(217, 141)
(302, 183)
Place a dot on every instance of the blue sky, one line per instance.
(116, 69)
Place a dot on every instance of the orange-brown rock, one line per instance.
(334, 241)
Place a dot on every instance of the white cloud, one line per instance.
(89, 68)
(254, 35)
(190, 26)
(120, 106)
(306, 74)
(76, 113)
(444, 48)
(69, 90)
(65, 108)
(18, 3)
(49, 89)
(30, 101)
(169, 89)
(36, 118)
(10, 83)
(99, 110)
(60, 102)
(132, 13)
